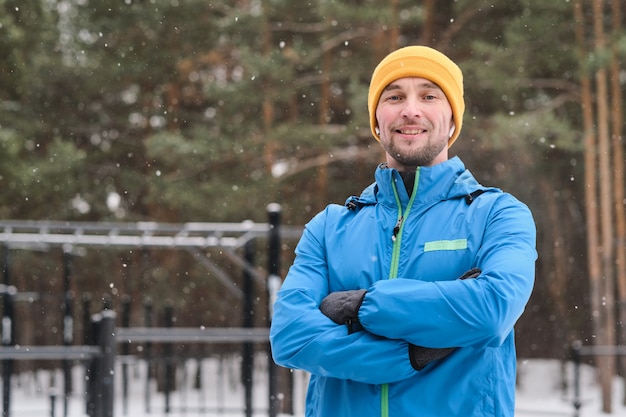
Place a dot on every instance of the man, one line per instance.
(403, 301)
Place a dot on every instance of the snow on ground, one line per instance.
(545, 389)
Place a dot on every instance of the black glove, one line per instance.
(342, 307)
(422, 356)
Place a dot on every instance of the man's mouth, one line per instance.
(406, 131)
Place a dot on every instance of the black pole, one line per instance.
(68, 326)
(169, 359)
(125, 348)
(576, 357)
(8, 339)
(147, 307)
(248, 322)
(94, 378)
(102, 373)
(53, 397)
(88, 339)
(107, 370)
(8, 334)
(273, 284)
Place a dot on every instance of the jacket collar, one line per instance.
(443, 181)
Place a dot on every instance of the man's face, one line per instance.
(414, 118)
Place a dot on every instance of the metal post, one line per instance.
(169, 358)
(273, 283)
(68, 326)
(7, 335)
(88, 339)
(53, 397)
(247, 365)
(8, 339)
(94, 378)
(147, 305)
(125, 352)
(107, 364)
(576, 357)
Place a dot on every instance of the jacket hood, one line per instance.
(444, 181)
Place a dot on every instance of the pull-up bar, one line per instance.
(37, 234)
(193, 237)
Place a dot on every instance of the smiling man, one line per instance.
(402, 302)
(414, 123)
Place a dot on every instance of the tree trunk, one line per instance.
(618, 185)
(557, 282)
(428, 29)
(606, 333)
(268, 105)
(322, 172)
(394, 33)
(591, 206)
(324, 108)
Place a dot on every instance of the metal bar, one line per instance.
(49, 352)
(602, 350)
(136, 335)
(245, 265)
(217, 271)
(52, 226)
(41, 234)
(190, 335)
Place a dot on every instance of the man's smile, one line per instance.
(410, 131)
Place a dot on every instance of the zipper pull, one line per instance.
(396, 228)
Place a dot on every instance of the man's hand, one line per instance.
(342, 307)
(421, 356)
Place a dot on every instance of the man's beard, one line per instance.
(414, 157)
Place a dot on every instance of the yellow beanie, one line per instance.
(422, 62)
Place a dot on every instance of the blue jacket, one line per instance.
(413, 297)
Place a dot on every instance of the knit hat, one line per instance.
(422, 62)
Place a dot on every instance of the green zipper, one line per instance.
(397, 233)
(395, 264)
(384, 400)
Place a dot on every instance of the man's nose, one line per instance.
(412, 108)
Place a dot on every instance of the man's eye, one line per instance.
(393, 98)
(430, 97)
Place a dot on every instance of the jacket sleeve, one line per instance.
(457, 313)
(301, 337)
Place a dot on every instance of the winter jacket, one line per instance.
(408, 253)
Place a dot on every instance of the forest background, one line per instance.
(207, 111)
